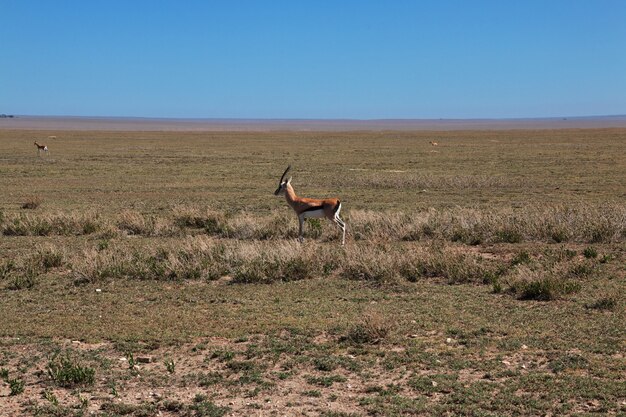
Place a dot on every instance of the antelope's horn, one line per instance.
(284, 173)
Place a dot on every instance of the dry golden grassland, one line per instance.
(155, 274)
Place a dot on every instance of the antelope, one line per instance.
(310, 207)
(41, 148)
(434, 143)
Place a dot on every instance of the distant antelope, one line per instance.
(434, 143)
(310, 207)
(41, 148)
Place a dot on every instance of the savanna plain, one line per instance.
(156, 274)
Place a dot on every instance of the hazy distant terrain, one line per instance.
(166, 124)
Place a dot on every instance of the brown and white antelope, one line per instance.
(434, 143)
(40, 148)
(310, 207)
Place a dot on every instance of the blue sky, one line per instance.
(313, 59)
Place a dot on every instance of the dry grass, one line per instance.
(32, 203)
(580, 223)
(487, 276)
(151, 171)
(372, 328)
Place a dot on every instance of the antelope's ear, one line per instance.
(289, 180)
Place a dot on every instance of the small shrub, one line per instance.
(469, 236)
(241, 366)
(560, 235)
(84, 402)
(606, 259)
(50, 397)
(547, 289)
(601, 232)
(509, 236)
(223, 355)
(325, 364)
(131, 360)
(170, 365)
(329, 267)
(172, 405)
(16, 386)
(50, 258)
(496, 286)
(297, 269)
(581, 270)
(24, 279)
(216, 225)
(312, 393)
(590, 252)
(202, 407)
(570, 254)
(66, 372)
(103, 244)
(521, 258)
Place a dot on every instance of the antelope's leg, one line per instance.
(342, 225)
(301, 232)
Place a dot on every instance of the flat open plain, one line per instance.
(149, 272)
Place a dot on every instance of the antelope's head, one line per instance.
(283, 184)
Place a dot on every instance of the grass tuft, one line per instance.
(16, 386)
(372, 328)
(67, 372)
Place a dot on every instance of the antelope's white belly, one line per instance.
(313, 214)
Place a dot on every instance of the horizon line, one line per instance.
(355, 119)
(133, 123)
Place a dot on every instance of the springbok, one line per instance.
(434, 143)
(41, 148)
(310, 207)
